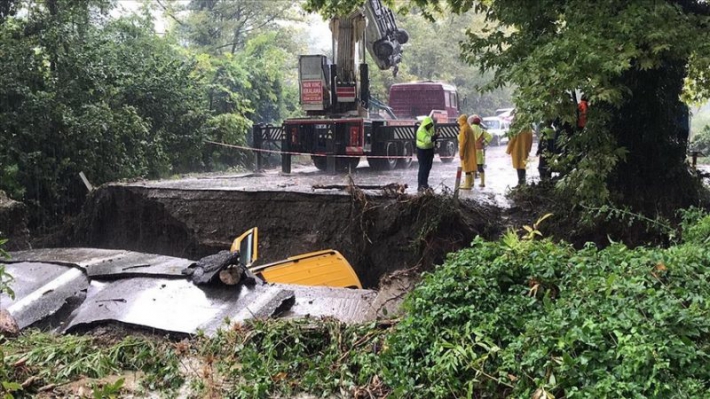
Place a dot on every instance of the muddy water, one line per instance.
(500, 176)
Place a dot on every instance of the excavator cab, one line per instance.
(248, 246)
(321, 268)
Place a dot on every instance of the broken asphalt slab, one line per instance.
(84, 287)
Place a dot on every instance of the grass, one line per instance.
(36, 359)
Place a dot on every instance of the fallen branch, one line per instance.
(28, 382)
(47, 387)
(385, 187)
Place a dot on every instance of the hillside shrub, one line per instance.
(520, 318)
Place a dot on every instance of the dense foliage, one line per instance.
(37, 359)
(520, 317)
(80, 91)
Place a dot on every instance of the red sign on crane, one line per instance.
(311, 92)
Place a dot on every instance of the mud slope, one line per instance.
(376, 234)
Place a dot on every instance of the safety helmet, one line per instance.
(476, 120)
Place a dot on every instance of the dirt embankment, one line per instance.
(376, 234)
(13, 224)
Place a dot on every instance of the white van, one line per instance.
(498, 128)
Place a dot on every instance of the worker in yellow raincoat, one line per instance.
(519, 148)
(467, 151)
(482, 138)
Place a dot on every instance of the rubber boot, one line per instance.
(521, 177)
(483, 179)
(468, 182)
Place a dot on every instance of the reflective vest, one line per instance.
(424, 135)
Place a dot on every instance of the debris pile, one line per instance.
(74, 289)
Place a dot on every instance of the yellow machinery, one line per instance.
(321, 268)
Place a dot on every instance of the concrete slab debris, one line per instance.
(108, 263)
(148, 290)
(177, 305)
(41, 289)
(347, 305)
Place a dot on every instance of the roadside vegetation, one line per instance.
(620, 309)
(523, 316)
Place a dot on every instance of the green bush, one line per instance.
(695, 226)
(53, 359)
(534, 318)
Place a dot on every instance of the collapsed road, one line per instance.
(123, 256)
(375, 232)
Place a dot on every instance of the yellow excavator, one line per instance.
(321, 268)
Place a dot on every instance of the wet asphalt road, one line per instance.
(500, 176)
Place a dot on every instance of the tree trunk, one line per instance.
(654, 127)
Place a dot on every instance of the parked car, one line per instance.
(506, 114)
(501, 111)
(498, 128)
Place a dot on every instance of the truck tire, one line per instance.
(390, 149)
(407, 151)
(341, 164)
(447, 152)
(384, 49)
(321, 163)
(402, 36)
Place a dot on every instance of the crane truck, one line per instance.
(337, 130)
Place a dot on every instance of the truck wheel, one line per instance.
(390, 150)
(384, 49)
(402, 36)
(341, 164)
(320, 162)
(447, 152)
(408, 152)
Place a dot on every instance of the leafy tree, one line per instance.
(81, 93)
(630, 57)
(219, 26)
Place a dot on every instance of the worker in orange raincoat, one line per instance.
(519, 148)
(467, 151)
(482, 139)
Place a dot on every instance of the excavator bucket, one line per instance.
(322, 268)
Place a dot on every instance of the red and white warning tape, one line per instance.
(310, 154)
